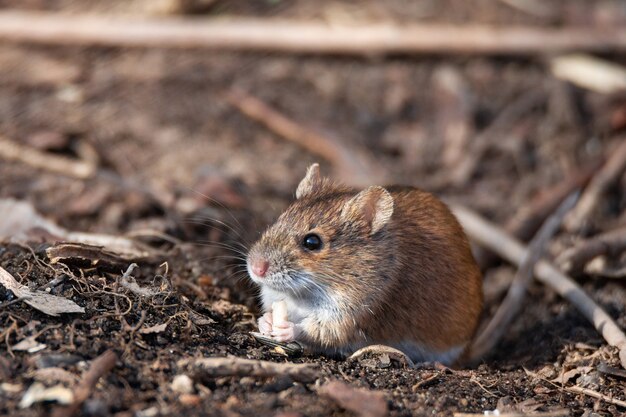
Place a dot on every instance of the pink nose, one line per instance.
(260, 267)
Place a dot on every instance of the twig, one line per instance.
(557, 413)
(302, 36)
(612, 169)
(525, 223)
(13, 151)
(99, 367)
(512, 303)
(128, 281)
(595, 394)
(491, 236)
(480, 144)
(233, 366)
(355, 168)
(574, 259)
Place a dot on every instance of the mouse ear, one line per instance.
(374, 205)
(311, 182)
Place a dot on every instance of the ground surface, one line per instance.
(158, 117)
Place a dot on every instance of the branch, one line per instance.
(233, 366)
(302, 36)
(573, 260)
(354, 167)
(99, 367)
(494, 238)
(606, 176)
(517, 292)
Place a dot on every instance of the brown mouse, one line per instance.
(385, 266)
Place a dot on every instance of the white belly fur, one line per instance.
(298, 311)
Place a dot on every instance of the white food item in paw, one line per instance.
(279, 312)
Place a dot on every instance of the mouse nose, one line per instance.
(260, 267)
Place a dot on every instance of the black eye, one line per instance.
(312, 242)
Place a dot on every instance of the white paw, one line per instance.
(284, 332)
(265, 324)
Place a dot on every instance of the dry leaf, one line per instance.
(42, 301)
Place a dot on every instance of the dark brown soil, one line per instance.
(158, 118)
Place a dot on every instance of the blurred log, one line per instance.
(302, 36)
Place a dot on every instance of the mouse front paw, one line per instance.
(265, 324)
(284, 332)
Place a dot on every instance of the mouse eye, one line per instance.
(312, 242)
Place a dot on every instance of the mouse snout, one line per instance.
(259, 266)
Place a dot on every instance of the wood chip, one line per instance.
(363, 402)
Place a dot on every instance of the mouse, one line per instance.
(381, 265)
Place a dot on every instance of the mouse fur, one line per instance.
(394, 268)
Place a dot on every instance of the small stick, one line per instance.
(481, 142)
(99, 367)
(608, 174)
(595, 394)
(556, 413)
(303, 36)
(512, 303)
(574, 259)
(354, 168)
(494, 238)
(46, 161)
(233, 366)
(525, 223)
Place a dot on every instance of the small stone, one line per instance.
(182, 384)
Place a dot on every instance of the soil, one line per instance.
(175, 158)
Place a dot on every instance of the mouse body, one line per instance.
(387, 266)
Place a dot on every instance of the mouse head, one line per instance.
(326, 240)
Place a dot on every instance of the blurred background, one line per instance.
(206, 140)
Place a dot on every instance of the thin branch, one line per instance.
(527, 220)
(302, 36)
(98, 368)
(574, 259)
(512, 303)
(595, 394)
(13, 151)
(606, 176)
(233, 366)
(557, 413)
(494, 238)
(354, 167)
